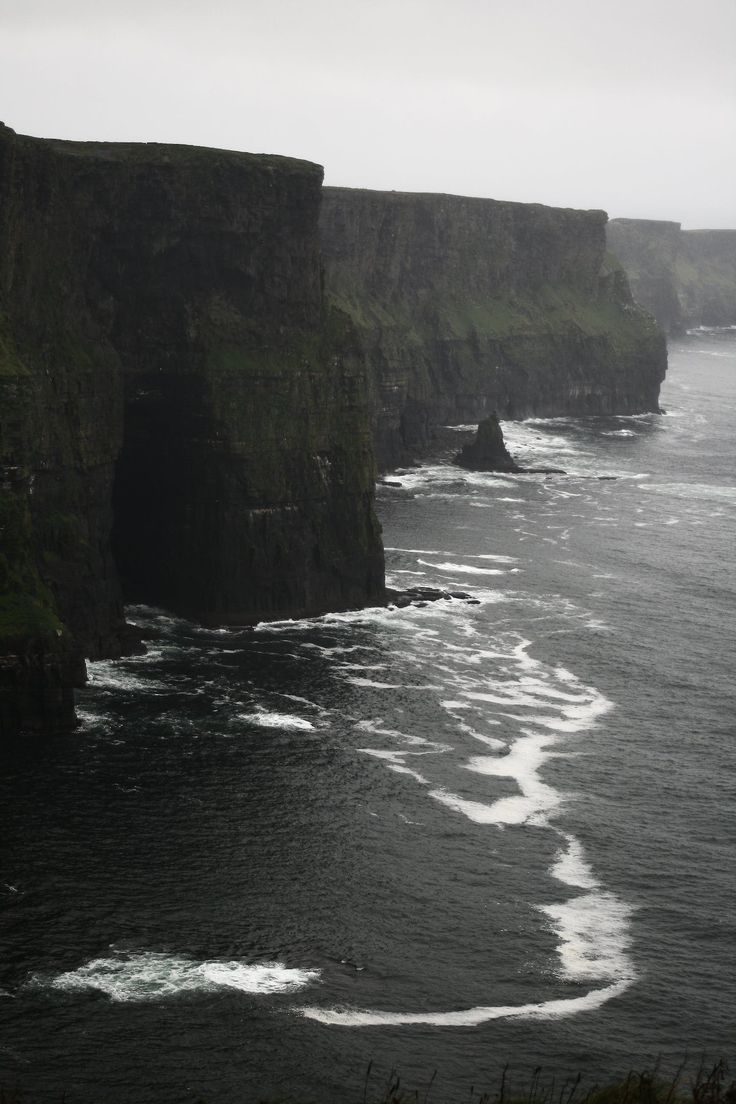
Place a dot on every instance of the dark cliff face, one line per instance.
(183, 419)
(684, 277)
(465, 306)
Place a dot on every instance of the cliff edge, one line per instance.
(183, 419)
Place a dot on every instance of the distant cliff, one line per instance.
(685, 278)
(182, 418)
(468, 306)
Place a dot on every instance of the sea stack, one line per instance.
(488, 451)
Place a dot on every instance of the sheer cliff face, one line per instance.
(684, 277)
(648, 251)
(180, 412)
(706, 276)
(467, 306)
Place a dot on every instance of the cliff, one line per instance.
(465, 306)
(686, 278)
(183, 419)
(648, 251)
(706, 277)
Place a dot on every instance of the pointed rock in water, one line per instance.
(488, 451)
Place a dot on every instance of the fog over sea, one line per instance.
(449, 836)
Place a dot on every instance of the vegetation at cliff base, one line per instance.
(706, 1085)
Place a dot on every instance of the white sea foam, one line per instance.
(711, 329)
(90, 719)
(571, 866)
(476, 811)
(438, 475)
(693, 490)
(480, 687)
(522, 763)
(361, 666)
(471, 1017)
(150, 976)
(109, 675)
(419, 551)
(593, 931)
(464, 569)
(465, 556)
(355, 680)
(265, 719)
(376, 728)
(395, 762)
(498, 559)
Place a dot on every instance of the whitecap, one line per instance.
(464, 569)
(277, 720)
(593, 931)
(395, 762)
(376, 728)
(476, 811)
(150, 976)
(571, 867)
(522, 763)
(471, 1017)
(106, 674)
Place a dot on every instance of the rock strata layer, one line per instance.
(686, 278)
(465, 306)
(183, 419)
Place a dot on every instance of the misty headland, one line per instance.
(328, 736)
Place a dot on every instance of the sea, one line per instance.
(428, 843)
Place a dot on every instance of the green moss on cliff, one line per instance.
(23, 617)
(11, 365)
(465, 306)
(27, 606)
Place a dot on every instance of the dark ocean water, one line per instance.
(445, 837)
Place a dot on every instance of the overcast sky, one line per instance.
(628, 105)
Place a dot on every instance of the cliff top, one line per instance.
(162, 153)
(437, 197)
(650, 226)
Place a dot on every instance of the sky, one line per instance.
(625, 105)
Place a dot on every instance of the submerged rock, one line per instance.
(421, 595)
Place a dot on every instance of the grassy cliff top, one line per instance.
(440, 197)
(162, 153)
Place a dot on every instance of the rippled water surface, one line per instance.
(489, 829)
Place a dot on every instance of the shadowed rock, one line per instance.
(183, 420)
(488, 451)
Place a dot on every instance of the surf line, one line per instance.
(592, 927)
(470, 1017)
